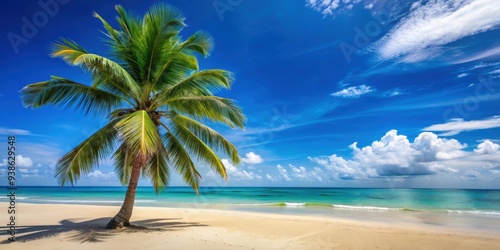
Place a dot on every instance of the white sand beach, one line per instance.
(46, 226)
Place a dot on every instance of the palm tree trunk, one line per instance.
(122, 218)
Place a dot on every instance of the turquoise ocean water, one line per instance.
(463, 208)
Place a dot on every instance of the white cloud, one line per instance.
(487, 147)
(23, 161)
(442, 22)
(252, 158)
(392, 92)
(456, 126)
(394, 155)
(357, 91)
(45, 154)
(494, 72)
(353, 92)
(20, 161)
(327, 7)
(13, 131)
(98, 175)
(270, 178)
(239, 174)
(312, 175)
(29, 172)
(284, 174)
(492, 140)
(492, 52)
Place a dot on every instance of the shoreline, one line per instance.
(64, 225)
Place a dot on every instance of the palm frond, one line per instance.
(111, 32)
(123, 159)
(199, 149)
(159, 24)
(214, 108)
(103, 69)
(84, 157)
(174, 68)
(209, 136)
(181, 160)
(200, 42)
(202, 82)
(140, 132)
(66, 93)
(118, 113)
(129, 24)
(157, 169)
(155, 75)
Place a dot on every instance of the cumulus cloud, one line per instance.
(20, 161)
(239, 174)
(284, 174)
(309, 175)
(487, 147)
(23, 161)
(442, 22)
(98, 175)
(252, 158)
(354, 92)
(394, 155)
(342, 169)
(458, 125)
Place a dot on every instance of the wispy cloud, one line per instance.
(358, 91)
(98, 175)
(492, 52)
(13, 131)
(442, 22)
(392, 92)
(354, 92)
(326, 7)
(458, 125)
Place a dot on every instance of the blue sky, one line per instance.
(342, 93)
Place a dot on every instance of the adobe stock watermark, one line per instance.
(31, 26)
(280, 120)
(208, 193)
(223, 6)
(486, 87)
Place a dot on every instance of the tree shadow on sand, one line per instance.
(94, 230)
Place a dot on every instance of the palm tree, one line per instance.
(156, 100)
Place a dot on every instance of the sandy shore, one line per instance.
(79, 226)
